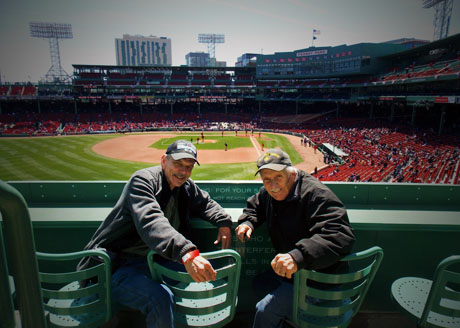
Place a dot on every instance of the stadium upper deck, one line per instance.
(343, 73)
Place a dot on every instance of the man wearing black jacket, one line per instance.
(154, 212)
(308, 226)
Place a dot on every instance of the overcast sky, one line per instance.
(259, 26)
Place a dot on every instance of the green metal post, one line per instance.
(6, 303)
(20, 247)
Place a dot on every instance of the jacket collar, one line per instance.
(294, 193)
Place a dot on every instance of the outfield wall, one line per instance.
(416, 225)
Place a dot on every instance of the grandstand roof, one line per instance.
(454, 39)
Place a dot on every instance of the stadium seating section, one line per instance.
(433, 70)
(384, 139)
(376, 150)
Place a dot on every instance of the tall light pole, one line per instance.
(53, 32)
(443, 12)
(211, 40)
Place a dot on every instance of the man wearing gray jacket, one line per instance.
(154, 212)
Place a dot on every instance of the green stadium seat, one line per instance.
(431, 303)
(66, 302)
(206, 304)
(335, 306)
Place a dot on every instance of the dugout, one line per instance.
(333, 152)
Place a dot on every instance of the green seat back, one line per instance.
(332, 300)
(68, 304)
(444, 296)
(205, 304)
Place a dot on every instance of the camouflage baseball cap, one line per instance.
(273, 159)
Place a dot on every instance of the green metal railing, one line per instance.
(6, 303)
(20, 246)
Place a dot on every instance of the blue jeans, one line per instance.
(276, 305)
(133, 287)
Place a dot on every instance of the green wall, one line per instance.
(416, 225)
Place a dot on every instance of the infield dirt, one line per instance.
(136, 147)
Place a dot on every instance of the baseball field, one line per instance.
(117, 156)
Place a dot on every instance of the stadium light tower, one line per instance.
(53, 32)
(443, 12)
(211, 40)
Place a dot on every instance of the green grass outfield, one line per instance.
(70, 158)
(232, 141)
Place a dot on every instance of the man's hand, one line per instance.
(200, 269)
(224, 235)
(242, 231)
(284, 265)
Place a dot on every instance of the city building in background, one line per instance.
(138, 50)
(409, 43)
(246, 60)
(197, 59)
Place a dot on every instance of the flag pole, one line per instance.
(313, 36)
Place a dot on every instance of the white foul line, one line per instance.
(254, 143)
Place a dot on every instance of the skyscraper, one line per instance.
(138, 50)
(197, 59)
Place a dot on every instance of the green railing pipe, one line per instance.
(6, 302)
(20, 246)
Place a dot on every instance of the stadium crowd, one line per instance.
(391, 154)
(376, 149)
